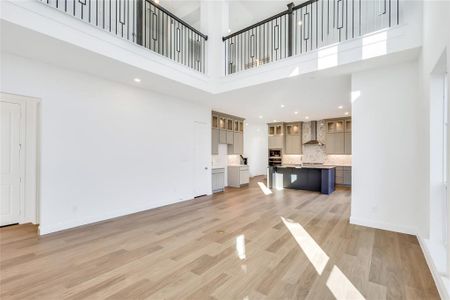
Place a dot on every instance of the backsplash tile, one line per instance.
(314, 153)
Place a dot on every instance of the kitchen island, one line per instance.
(320, 178)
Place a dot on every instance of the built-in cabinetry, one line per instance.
(339, 136)
(276, 136)
(229, 130)
(344, 175)
(218, 180)
(238, 175)
(286, 137)
(293, 138)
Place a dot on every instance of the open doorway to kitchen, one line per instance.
(19, 157)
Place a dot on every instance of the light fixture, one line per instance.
(307, 118)
(296, 112)
(340, 107)
(346, 113)
(274, 120)
(299, 23)
(282, 105)
(229, 30)
(246, 124)
(137, 80)
(260, 117)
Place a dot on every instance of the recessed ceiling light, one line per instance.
(246, 124)
(260, 117)
(346, 113)
(274, 120)
(296, 112)
(299, 23)
(307, 118)
(340, 107)
(229, 30)
(282, 105)
(137, 80)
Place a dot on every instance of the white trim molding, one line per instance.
(29, 193)
(382, 225)
(442, 282)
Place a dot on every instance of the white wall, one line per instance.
(256, 147)
(388, 185)
(436, 44)
(107, 149)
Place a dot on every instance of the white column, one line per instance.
(214, 23)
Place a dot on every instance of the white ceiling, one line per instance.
(315, 97)
(242, 13)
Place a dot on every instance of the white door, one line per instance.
(202, 155)
(10, 163)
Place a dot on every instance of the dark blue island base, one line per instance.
(319, 179)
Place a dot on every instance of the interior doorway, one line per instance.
(202, 159)
(19, 157)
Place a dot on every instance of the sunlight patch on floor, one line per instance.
(341, 286)
(240, 246)
(264, 188)
(312, 250)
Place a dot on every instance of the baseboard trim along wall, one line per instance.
(383, 225)
(91, 220)
(438, 278)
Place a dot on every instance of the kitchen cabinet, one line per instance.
(293, 142)
(230, 137)
(218, 180)
(276, 136)
(215, 141)
(344, 175)
(338, 136)
(229, 130)
(238, 144)
(222, 136)
(348, 143)
(238, 175)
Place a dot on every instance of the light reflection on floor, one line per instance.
(339, 285)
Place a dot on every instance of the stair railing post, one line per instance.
(290, 28)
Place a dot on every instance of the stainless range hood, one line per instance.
(313, 140)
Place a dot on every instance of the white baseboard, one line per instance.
(443, 289)
(383, 225)
(52, 228)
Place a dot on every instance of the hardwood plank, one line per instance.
(189, 250)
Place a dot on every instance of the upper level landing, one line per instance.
(171, 57)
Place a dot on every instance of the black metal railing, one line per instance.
(306, 27)
(145, 23)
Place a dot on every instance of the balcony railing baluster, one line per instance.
(306, 27)
(142, 22)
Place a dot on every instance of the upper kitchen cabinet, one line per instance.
(276, 136)
(293, 142)
(339, 136)
(348, 136)
(215, 121)
(227, 129)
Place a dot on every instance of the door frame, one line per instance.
(28, 156)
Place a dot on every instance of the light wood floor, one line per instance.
(297, 245)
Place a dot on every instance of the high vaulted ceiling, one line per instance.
(241, 14)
